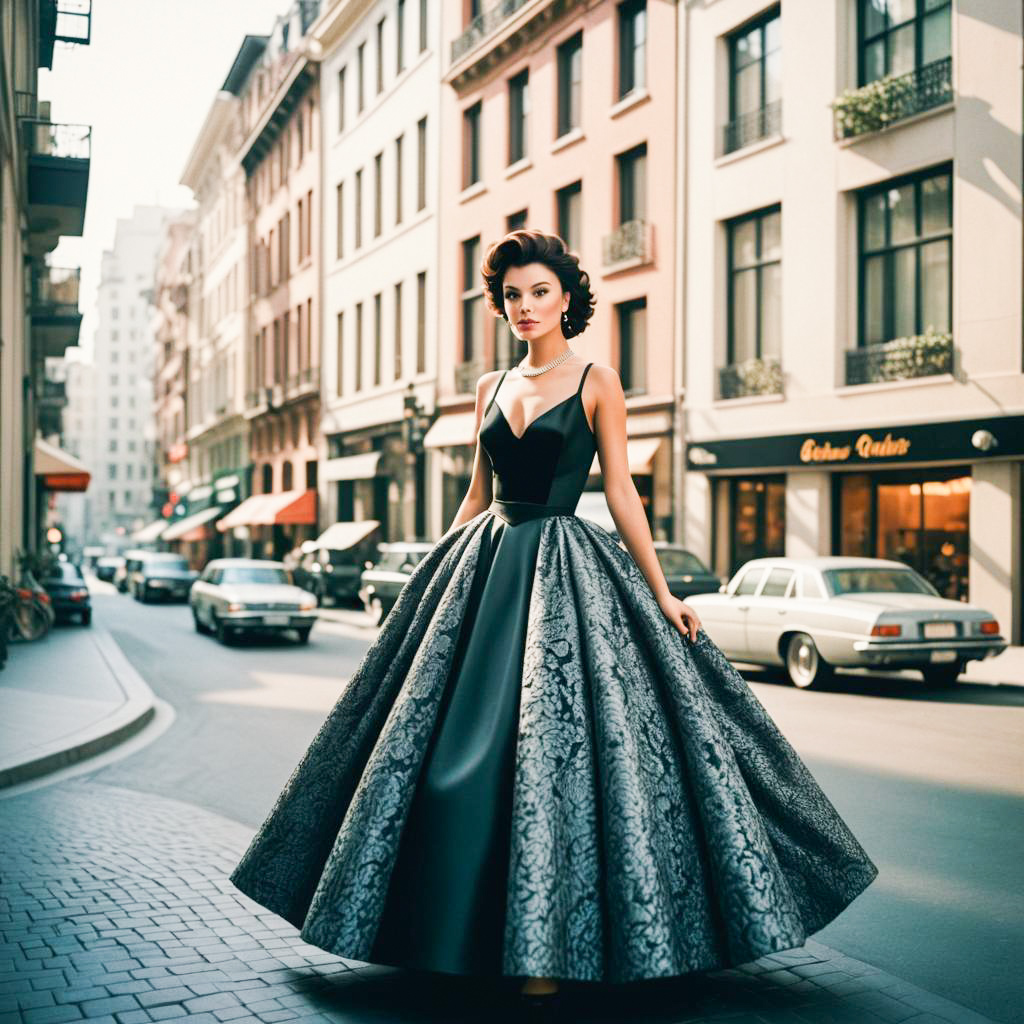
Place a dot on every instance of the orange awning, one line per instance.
(286, 507)
(57, 470)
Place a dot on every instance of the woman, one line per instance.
(543, 767)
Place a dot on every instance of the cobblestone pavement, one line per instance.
(115, 907)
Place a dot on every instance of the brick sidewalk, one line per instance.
(115, 906)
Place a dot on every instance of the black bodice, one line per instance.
(550, 462)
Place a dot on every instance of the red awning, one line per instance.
(287, 507)
(57, 470)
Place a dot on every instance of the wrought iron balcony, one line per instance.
(893, 98)
(58, 158)
(632, 241)
(26, 104)
(467, 374)
(759, 376)
(54, 313)
(483, 25)
(63, 21)
(52, 392)
(751, 127)
(920, 355)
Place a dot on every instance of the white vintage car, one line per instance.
(814, 614)
(240, 595)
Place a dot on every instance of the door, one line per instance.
(767, 616)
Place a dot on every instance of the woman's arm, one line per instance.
(478, 495)
(623, 500)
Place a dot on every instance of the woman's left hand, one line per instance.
(681, 615)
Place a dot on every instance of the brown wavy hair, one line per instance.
(517, 249)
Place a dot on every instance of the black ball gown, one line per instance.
(532, 772)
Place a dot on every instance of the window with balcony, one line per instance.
(518, 115)
(631, 320)
(755, 82)
(569, 203)
(517, 220)
(631, 240)
(754, 306)
(472, 301)
(570, 84)
(904, 64)
(471, 144)
(905, 285)
(632, 25)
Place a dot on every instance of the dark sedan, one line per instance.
(382, 582)
(161, 576)
(68, 592)
(685, 573)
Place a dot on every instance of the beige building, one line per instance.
(852, 335)
(44, 176)
(595, 161)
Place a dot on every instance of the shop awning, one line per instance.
(193, 524)
(57, 470)
(151, 532)
(451, 429)
(351, 467)
(342, 536)
(640, 451)
(286, 507)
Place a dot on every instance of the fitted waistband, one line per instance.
(516, 512)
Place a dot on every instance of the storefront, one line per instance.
(943, 497)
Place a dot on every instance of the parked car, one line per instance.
(107, 567)
(242, 595)
(132, 560)
(161, 575)
(68, 592)
(814, 614)
(330, 566)
(685, 573)
(382, 582)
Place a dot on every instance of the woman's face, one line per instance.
(532, 293)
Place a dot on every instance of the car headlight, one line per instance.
(307, 606)
(235, 606)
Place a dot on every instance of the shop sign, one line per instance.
(866, 446)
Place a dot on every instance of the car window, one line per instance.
(255, 574)
(810, 585)
(775, 585)
(882, 580)
(675, 561)
(751, 578)
(65, 572)
(165, 562)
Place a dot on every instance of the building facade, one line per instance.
(379, 81)
(595, 163)
(852, 273)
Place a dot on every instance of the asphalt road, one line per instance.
(931, 783)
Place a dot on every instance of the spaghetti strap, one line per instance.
(586, 370)
(495, 392)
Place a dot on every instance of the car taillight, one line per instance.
(24, 594)
(45, 598)
(79, 595)
(887, 629)
(990, 626)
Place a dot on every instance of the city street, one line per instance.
(931, 782)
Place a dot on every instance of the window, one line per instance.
(339, 383)
(748, 584)
(309, 223)
(421, 322)
(378, 187)
(632, 167)
(906, 257)
(111, 470)
(398, 179)
(754, 286)
(569, 201)
(112, 445)
(310, 333)
(268, 479)
(570, 83)
(423, 25)
(421, 164)
(755, 82)
(632, 324)
(757, 515)
(897, 36)
(359, 208)
(777, 583)
(518, 115)
(361, 78)
(471, 145)
(377, 337)
(472, 301)
(398, 330)
(359, 346)
(400, 37)
(341, 101)
(340, 229)
(302, 230)
(632, 46)
(517, 220)
(286, 475)
(380, 56)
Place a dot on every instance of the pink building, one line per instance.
(560, 117)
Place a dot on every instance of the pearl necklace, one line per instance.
(536, 371)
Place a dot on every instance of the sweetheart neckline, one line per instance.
(568, 398)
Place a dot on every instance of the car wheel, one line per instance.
(87, 618)
(941, 676)
(376, 611)
(223, 636)
(200, 628)
(304, 635)
(804, 664)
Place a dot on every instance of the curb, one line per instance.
(133, 715)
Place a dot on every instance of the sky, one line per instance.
(144, 83)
